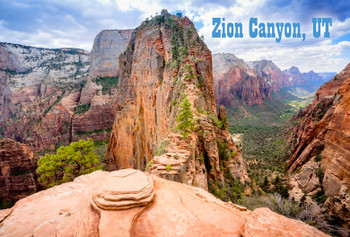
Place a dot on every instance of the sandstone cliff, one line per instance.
(321, 145)
(235, 82)
(17, 172)
(165, 75)
(272, 74)
(131, 203)
(48, 98)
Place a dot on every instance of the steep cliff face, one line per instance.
(108, 45)
(272, 74)
(48, 96)
(131, 203)
(17, 172)
(96, 108)
(235, 82)
(321, 141)
(166, 114)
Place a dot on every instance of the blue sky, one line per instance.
(75, 23)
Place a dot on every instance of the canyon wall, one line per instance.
(321, 145)
(48, 96)
(236, 83)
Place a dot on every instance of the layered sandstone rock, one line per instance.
(165, 65)
(49, 97)
(272, 74)
(322, 134)
(17, 171)
(235, 82)
(176, 210)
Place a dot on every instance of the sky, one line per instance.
(75, 23)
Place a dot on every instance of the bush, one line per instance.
(83, 108)
(168, 167)
(160, 150)
(69, 162)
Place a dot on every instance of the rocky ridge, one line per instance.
(320, 142)
(175, 210)
(166, 71)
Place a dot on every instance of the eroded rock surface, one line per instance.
(17, 172)
(176, 210)
(322, 135)
(164, 65)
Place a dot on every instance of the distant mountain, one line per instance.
(235, 82)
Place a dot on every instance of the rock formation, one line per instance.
(166, 115)
(48, 96)
(272, 74)
(175, 209)
(235, 82)
(321, 145)
(17, 172)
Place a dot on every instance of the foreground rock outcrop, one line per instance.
(236, 83)
(166, 118)
(321, 146)
(17, 172)
(53, 96)
(172, 209)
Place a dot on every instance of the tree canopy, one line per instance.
(69, 162)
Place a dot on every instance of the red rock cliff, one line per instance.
(322, 135)
(17, 171)
(166, 65)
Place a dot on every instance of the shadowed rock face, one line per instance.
(322, 134)
(236, 83)
(165, 63)
(17, 171)
(175, 210)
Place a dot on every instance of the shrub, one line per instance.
(160, 150)
(168, 167)
(69, 162)
(83, 108)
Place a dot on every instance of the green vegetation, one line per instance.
(82, 108)
(107, 83)
(160, 150)
(69, 162)
(168, 167)
(185, 118)
(232, 190)
(80, 133)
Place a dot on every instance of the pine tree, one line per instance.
(185, 118)
(69, 162)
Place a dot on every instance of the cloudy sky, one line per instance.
(75, 23)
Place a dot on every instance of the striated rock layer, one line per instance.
(176, 210)
(321, 140)
(48, 96)
(165, 65)
(235, 82)
(17, 172)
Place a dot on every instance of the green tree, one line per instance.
(69, 162)
(185, 118)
